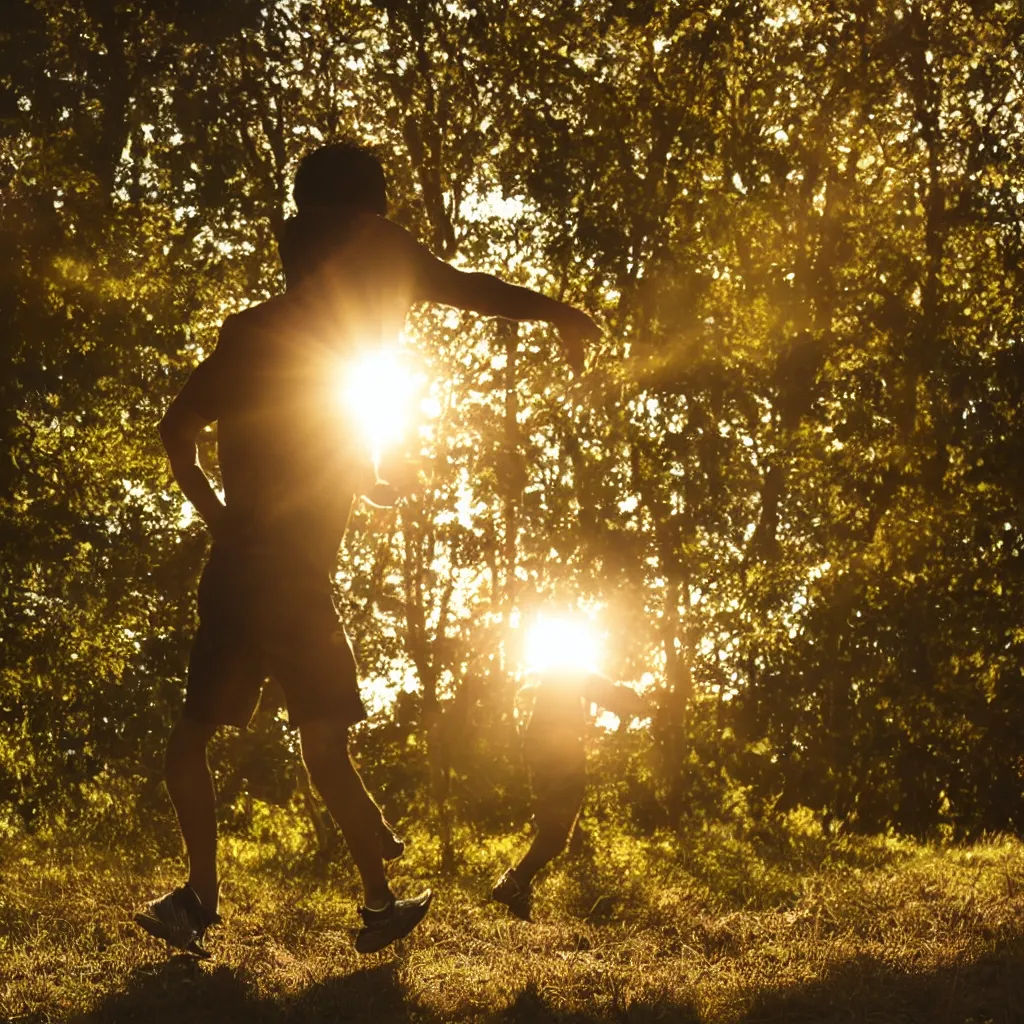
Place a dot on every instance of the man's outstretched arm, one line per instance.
(490, 296)
(619, 699)
(179, 430)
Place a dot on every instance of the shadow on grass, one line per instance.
(183, 990)
(989, 989)
(530, 1006)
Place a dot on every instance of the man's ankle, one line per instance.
(379, 901)
(209, 895)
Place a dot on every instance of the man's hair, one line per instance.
(343, 174)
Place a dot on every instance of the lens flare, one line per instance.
(378, 391)
(561, 643)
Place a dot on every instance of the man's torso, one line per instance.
(291, 457)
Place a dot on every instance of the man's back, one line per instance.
(290, 458)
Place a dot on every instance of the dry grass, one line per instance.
(789, 927)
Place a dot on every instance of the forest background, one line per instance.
(789, 489)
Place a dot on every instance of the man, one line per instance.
(554, 746)
(291, 467)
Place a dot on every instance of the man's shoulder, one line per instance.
(244, 329)
(386, 239)
(258, 315)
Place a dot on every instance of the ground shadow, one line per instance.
(183, 989)
(988, 990)
(180, 988)
(531, 1006)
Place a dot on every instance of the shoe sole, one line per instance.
(513, 903)
(375, 942)
(155, 927)
(512, 910)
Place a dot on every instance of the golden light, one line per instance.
(378, 391)
(565, 642)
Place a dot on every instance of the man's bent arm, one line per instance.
(620, 700)
(179, 431)
(488, 295)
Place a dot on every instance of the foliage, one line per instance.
(790, 481)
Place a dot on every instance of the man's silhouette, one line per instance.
(554, 745)
(291, 467)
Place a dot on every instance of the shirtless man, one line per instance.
(291, 469)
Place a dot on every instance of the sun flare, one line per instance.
(561, 643)
(378, 391)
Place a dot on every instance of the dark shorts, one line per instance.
(264, 614)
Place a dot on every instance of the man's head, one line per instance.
(343, 174)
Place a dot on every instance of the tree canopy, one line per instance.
(789, 487)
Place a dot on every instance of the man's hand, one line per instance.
(619, 699)
(490, 296)
(382, 495)
(576, 330)
(402, 472)
(399, 479)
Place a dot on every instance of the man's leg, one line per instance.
(190, 786)
(556, 814)
(558, 797)
(325, 751)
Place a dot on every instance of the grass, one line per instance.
(720, 927)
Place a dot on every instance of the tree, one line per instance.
(789, 482)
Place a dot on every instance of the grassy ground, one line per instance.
(789, 926)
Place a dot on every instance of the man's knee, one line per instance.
(558, 816)
(323, 743)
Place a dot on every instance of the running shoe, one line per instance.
(515, 896)
(179, 919)
(382, 927)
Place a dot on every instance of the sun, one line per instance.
(378, 391)
(563, 642)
